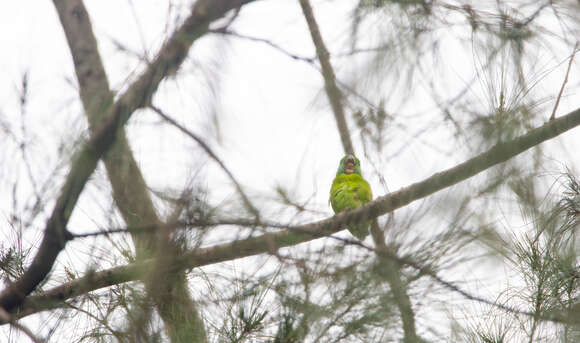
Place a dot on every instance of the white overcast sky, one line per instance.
(275, 126)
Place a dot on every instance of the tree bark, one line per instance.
(107, 120)
(307, 232)
(168, 291)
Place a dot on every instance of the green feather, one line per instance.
(350, 191)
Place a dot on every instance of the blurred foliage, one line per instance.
(428, 84)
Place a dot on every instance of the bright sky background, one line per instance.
(274, 126)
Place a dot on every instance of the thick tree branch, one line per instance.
(129, 188)
(332, 90)
(131, 193)
(54, 298)
(295, 235)
(138, 95)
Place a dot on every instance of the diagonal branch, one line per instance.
(299, 234)
(564, 82)
(55, 233)
(226, 32)
(138, 95)
(207, 149)
(332, 90)
(129, 187)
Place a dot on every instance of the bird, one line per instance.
(350, 191)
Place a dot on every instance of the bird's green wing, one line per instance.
(341, 195)
(362, 190)
(349, 192)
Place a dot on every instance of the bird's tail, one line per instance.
(360, 231)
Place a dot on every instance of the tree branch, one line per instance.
(129, 187)
(564, 82)
(226, 32)
(299, 234)
(207, 149)
(332, 90)
(6, 317)
(391, 270)
(138, 95)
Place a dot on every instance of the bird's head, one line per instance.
(349, 165)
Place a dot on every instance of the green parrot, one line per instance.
(350, 191)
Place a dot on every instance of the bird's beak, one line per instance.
(349, 165)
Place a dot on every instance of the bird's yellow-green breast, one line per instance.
(350, 191)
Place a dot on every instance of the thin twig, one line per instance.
(391, 264)
(393, 273)
(130, 273)
(129, 188)
(137, 96)
(308, 60)
(102, 322)
(210, 152)
(405, 261)
(6, 317)
(382, 205)
(176, 224)
(564, 83)
(225, 31)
